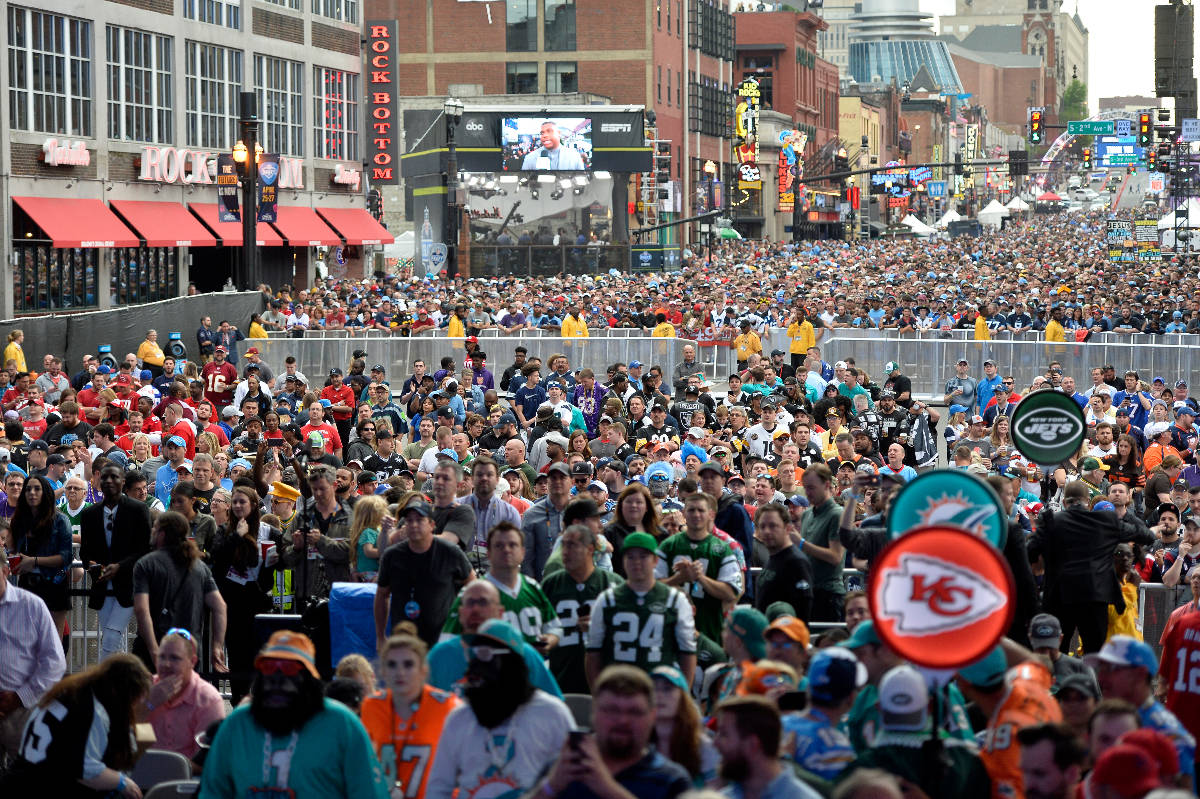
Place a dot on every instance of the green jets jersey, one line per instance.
(645, 630)
(718, 562)
(526, 608)
(570, 600)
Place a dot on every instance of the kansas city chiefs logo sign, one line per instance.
(926, 595)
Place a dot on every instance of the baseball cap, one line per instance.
(497, 631)
(177, 441)
(711, 466)
(958, 409)
(792, 627)
(378, 368)
(1122, 411)
(834, 673)
(448, 453)
(612, 463)
(696, 432)
(749, 625)
(1188, 409)
(124, 380)
(39, 444)
(1091, 464)
(316, 439)
(863, 634)
(335, 371)
(367, 476)
(989, 361)
(903, 699)
(976, 419)
(890, 367)
(1045, 630)
(1125, 650)
(420, 506)
(289, 645)
(220, 348)
(987, 672)
(671, 674)
(252, 351)
(242, 462)
(1083, 683)
(799, 500)
(559, 468)
(1156, 744)
(1126, 768)
(507, 418)
(639, 541)
(581, 469)
(635, 364)
(764, 676)
(55, 460)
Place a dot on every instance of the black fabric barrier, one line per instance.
(124, 329)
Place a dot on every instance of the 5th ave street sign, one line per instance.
(1090, 127)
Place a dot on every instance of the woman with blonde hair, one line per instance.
(219, 505)
(13, 350)
(1002, 445)
(406, 718)
(365, 526)
(208, 443)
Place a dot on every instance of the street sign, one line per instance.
(1123, 127)
(941, 597)
(1090, 127)
(936, 188)
(1123, 160)
(951, 498)
(1189, 129)
(1048, 427)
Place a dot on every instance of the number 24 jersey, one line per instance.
(644, 630)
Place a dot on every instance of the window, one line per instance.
(559, 30)
(679, 19)
(668, 87)
(279, 84)
(294, 5)
(49, 72)
(679, 88)
(659, 84)
(335, 114)
(668, 2)
(521, 35)
(48, 278)
(214, 80)
(144, 274)
(140, 88)
(562, 77)
(227, 13)
(522, 78)
(658, 8)
(343, 10)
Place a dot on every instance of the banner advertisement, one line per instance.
(1146, 236)
(268, 187)
(790, 172)
(937, 159)
(1119, 241)
(227, 189)
(383, 139)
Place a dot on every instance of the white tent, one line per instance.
(1017, 204)
(992, 214)
(950, 216)
(917, 226)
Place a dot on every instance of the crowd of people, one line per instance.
(601, 584)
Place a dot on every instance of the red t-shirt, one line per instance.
(1180, 670)
(89, 398)
(333, 441)
(219, 380)
(216, 430)
(183, 428)
(34, 429)
(340, 396)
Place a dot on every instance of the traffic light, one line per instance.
(1145, 131)
(1151, 158)
(958, 164)
(841, 163)
(375, 203)
(1087, 157)
(1035, 127)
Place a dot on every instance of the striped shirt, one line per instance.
(30, 649)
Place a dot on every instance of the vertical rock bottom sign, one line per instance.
(383, 145)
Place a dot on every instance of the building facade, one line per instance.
(113, 120)
(675, 57)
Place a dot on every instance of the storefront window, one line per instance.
(53, 279)
(143, 274)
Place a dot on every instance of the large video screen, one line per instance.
(546, 144)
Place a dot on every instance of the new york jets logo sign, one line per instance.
(1048, 427)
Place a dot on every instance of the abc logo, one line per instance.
(474, 125)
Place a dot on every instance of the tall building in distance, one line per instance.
(1042, 28)
(833, 43)
(892, 40)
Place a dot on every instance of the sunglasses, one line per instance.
(486, 654)
(288, 668)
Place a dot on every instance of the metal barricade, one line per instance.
(83, 623)
(1155, 603)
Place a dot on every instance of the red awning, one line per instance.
(164, 224)
(230, 233)
(303, 228)
(77, 222)
(356, 225)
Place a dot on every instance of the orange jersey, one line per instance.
(1026, 701)
(406, 748)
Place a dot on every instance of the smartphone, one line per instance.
(276, 442)
(575, 737)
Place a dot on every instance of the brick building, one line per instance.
(673, 56)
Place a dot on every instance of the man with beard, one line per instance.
(508, 730)
(290, 740)
(617, 761)
(748, 737)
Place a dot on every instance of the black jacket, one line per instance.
(1076, 545)
(130, 540)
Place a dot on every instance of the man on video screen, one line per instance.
(552, 155)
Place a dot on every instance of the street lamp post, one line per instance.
(248, 143)
(453, 111)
